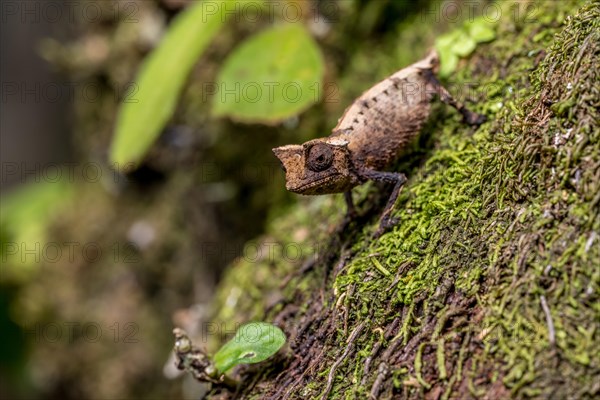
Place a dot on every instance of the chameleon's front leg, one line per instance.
(350, 209)
(398, 179)
(351, 213)
(469, 116)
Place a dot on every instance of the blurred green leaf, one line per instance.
(448, 59)
(252, 343)
(481, 30)
(462, 42)
(271, 76)
(24, 216)
(463, 45)
(161, 78)
(448, 63)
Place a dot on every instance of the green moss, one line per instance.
(492, 221)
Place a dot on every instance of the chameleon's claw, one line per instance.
(472, 118)
(350, 216)
(352, 213)
(384, 225)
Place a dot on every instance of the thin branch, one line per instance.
(339, 361)
(549, 321)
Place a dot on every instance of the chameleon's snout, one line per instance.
(292, 164)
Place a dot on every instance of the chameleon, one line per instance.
(368, 138)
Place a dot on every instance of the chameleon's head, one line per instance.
(319, 166)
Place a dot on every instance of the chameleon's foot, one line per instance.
(385, 225)
(350, 216)
(472, 118)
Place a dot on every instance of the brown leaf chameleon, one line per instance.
(369, 136)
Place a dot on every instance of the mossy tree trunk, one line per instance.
(489, 285)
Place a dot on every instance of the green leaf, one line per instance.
(252, 343)
(157, 87)
(481, 30)
(271, 76)
(462, 42)
(448, 60)
(448, 63)
(25, 214)
(445, 42)
(464, 45)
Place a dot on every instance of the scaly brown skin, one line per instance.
(369, 136)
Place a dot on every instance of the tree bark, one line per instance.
(489, 285)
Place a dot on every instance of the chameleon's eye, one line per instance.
(320, 157)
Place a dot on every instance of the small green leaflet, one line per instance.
(481, 30)
(272, 76)
(462, 42)
(252, 343)
(161, 78)
(25, 214)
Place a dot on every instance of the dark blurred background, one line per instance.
(100, 262)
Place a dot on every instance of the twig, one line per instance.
(195, 361)
(382, 373)
(551, 334)
(306, 370)
(337, 363)
(376, 348)
(418, 364)
(399, 274)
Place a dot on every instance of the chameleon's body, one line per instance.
(386, 117)
(369, 136)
